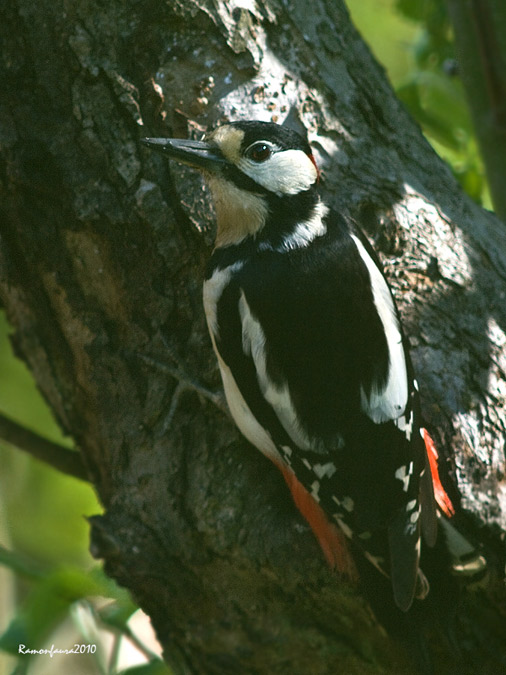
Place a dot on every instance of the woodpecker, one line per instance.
(312, 354)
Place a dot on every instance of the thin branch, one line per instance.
(215, 397)
(20, 564)
(66, 461)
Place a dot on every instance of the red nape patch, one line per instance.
(443, 501)
(331, 539)
(311, 157)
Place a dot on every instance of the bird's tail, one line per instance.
(466, 561)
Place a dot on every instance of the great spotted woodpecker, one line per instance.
(314, 363)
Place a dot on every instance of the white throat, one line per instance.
(239, 213)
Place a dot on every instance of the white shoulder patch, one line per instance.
(388, 402)
(253, 340)
(212, 290)
(244, 418)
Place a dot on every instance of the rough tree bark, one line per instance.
(102, 251)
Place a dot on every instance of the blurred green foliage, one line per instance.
(48, 572)
(413, 40)
(58, 591)
(32, 494)
(41, 511)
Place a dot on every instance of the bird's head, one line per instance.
(252, 168)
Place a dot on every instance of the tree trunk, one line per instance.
(101, 257)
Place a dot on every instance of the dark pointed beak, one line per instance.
(198, 154)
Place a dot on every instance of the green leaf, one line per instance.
(108, 587)
(438, 104)
(20, 564)
(411, 9)
(34, 622)
(21, 668)
(50, 599)
(116, 614)
(445, 97)
(472, 182)
(152, 668)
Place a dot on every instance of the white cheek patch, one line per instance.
(287, 172)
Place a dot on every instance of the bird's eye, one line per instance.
(259, 152)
